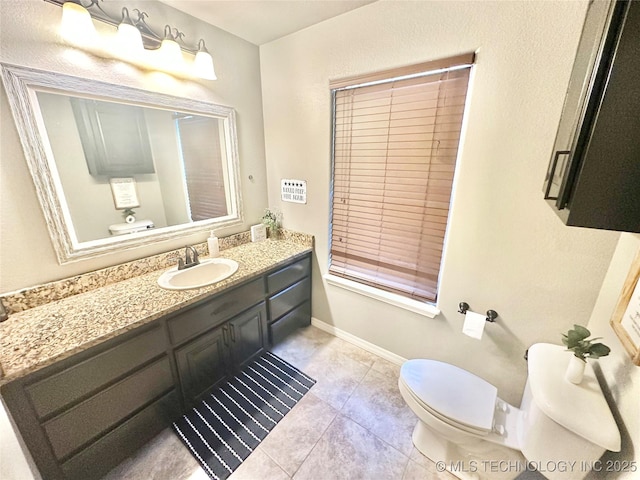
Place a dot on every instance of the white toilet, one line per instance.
(561, 429)
(133, 227)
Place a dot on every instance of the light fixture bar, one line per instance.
(150, 39)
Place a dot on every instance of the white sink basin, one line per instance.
(209, 271)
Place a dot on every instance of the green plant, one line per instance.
(127, 212)
(272, 219)
(583, 347)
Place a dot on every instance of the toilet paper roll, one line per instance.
(474, 324)
(130, 219)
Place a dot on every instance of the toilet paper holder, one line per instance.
(491, 314)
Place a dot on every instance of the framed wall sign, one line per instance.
(124, 192)
(626, 317)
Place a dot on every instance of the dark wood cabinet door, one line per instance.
(202, 364)
(247, 334)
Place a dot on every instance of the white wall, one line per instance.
(619, 376)
(506, 249)
(28, 35)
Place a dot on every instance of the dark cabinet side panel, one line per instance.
(606, 193)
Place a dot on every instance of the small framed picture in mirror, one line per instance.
(626, 317)
(124, 192)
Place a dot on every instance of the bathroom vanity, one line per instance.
(83, 414)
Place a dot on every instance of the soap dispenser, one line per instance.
(214, 247)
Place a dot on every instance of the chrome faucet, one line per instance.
(190, 258)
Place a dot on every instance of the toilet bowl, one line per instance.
(467, 426)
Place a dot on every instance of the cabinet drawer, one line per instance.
(283, 278)
(103, 455)
(77, 426)
(289, 298)
(293, 320)
(199, 319)
(53, 393)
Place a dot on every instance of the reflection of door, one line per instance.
(114, 137)
(202, 158)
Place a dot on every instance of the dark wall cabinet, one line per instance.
(84, 415)
(114, 137)
(594, 174)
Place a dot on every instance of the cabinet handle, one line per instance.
(224, 336)
(224, 306)
(233, 333)
(552, 172)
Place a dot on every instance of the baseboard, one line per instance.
(358, 342)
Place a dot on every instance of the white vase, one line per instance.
(575, 370)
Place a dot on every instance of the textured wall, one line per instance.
(506, 249)
(620, 376)
(28, 35)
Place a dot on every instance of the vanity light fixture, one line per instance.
(134, 41)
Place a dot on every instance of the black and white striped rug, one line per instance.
(229, 424)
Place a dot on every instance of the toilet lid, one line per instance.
(452, 392)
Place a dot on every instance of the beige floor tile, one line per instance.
(300, 346)
(416, 471)
(429, 465)
(386, 368)
(377, 405)
(163, 457)
(258, 465)
(292, 439)
(336, 374)
(347, 450)
(352, 351)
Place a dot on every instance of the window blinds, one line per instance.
(394, 152)
(204, 174)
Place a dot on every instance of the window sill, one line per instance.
(426, 309)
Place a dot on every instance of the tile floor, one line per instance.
(353, 424)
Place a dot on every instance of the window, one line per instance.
(203, 154)
(395, 143)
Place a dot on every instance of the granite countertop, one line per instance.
(40, 336)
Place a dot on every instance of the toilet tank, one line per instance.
(564, 428)
(125, 228)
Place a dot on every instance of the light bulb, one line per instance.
(169, 55)
(77, 26)
(203, 63)
(128, 38)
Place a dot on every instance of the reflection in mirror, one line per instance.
(126, 167)
(175, 161)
